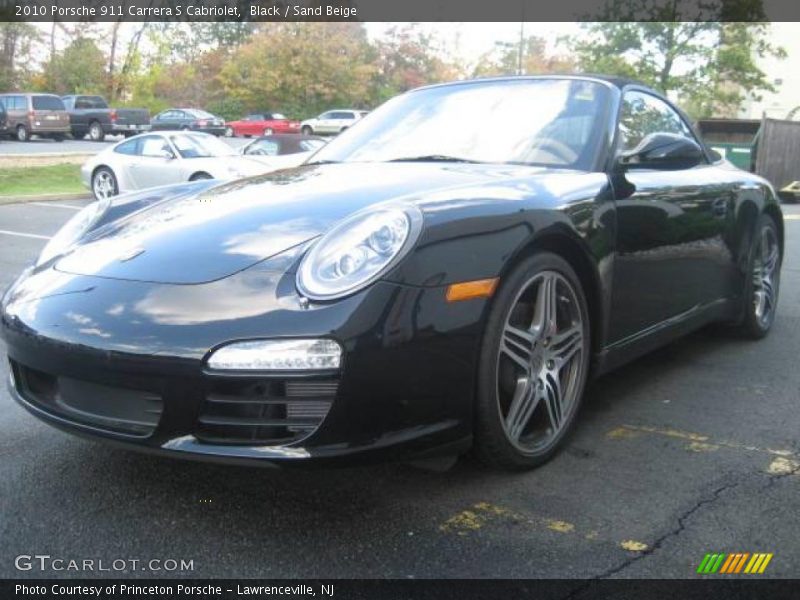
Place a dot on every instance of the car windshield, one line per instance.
(555, 122)
(200, 146)
(278, 117)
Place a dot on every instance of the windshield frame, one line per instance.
(592, 157)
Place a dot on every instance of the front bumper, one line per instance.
(404, 391)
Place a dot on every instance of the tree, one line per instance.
(504, 59)
(300, 68)
(79, 69)
(16, 41)
(406, 57)
(709, 64)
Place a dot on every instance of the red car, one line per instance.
(261, 124)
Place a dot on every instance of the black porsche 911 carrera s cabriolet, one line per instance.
(426, 283)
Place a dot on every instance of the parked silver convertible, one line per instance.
(157, 159)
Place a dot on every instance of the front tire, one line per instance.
(104, 183)
(229, 132)
(534, 363)
(306, 130)
(763, 280)
(22, 134)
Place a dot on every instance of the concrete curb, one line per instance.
(44, 198)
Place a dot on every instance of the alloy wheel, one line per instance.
(103, 185)
(229, 132)
(765, 276)
(540, 362)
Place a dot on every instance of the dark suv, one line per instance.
(35, 114)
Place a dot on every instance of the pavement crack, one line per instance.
(656, 545)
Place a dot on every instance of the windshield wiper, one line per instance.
(435, 158)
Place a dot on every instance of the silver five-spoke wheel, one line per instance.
(533, 363)
(539, 362)
(765, 269)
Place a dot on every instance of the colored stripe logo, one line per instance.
(734, 563)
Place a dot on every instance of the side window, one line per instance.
(153, 146)
(81, 102)
(263, 148)
(130, 147)
(327, 115)
(643, 114)
(19, 102)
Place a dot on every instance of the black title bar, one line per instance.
(400, 10)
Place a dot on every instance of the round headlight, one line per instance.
(358, 251)
(72, 231)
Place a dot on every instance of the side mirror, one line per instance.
(663, 151)
(166, 154)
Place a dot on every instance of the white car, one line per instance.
(282, 150)
(156, 159)
(333, 121)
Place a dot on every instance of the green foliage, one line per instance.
(79, 69)
(710, 65)
(505, 59)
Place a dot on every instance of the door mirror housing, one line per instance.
(663, 151)
(166, 154)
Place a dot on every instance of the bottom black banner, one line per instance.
(405, 589)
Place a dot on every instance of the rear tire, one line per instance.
(96, 133)
(763, 280)
(534, 363)
(229, 132)
(306, 130)
(22, 134)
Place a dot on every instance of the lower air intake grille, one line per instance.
(114, 409)
(264, 410)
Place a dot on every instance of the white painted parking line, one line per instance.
(49, 204)
(27, 235)
(791, 217)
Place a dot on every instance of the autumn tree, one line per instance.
(16, 42)
(407, 57)
(505, 59)
(300, 68)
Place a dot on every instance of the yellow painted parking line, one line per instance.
(698, 442)
(484, 515)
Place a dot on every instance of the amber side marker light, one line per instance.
(467, 290)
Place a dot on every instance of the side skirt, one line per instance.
(660, 334)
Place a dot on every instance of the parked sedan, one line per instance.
(157, 159)
(188, 119)
(332, 122)
(280, 151)
(424, 285)
(262, 124)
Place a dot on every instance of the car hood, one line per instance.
(231, 226)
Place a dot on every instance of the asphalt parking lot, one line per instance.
(692, 449)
